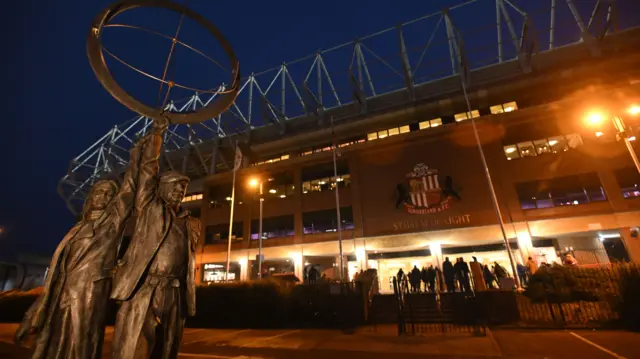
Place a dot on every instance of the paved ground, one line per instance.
(383, 343)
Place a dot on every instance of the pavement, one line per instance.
(383, 342)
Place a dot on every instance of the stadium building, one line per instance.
(543, 98)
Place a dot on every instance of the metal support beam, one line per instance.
(214, 155)
(588, 39)
(406, 66)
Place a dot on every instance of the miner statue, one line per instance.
(155, 279)
(69, 317)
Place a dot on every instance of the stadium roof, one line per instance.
(427, 58)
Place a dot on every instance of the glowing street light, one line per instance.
(597, 117)
(253, 183)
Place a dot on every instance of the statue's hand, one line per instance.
(22, 332)
(160, 125)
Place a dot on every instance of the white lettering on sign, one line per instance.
(213, 266)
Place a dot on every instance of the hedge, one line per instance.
(258, 304)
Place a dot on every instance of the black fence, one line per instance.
(436, 312)
(556, 297)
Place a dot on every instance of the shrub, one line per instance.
(560, 284)
(628, 307)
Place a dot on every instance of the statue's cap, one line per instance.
(173, 176)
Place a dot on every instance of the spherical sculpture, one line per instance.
(226, 95)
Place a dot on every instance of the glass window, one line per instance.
(279, 185)
(372, 136)
(511, 152)
(272, 227)
(383, 134)
(220, 196)
(405, 129)
(574, 140)
(460, 116)
(466, 115)
(558, 144)
(510, 106)
(561, 191)
(321, 178)
(394, 131)
(506, 107)
(496, 109)
(542, 147)
(526, 149)
(428, 124)
(219, 233)
(326, 220)
(628, 179)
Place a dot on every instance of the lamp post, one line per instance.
(596, 118)
(255, 182)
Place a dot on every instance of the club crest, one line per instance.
(423, 192)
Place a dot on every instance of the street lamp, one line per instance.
(598, 117)
(256, 182)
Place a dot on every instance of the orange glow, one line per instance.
(634, 110)
(595, 118)
(253, 182)
(598, 134)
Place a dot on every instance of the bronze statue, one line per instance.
(155, 279)
(69, 317)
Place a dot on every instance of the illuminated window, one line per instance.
(574, 140)
(556, 144)
(466, 115)
(394, 131)
(405, 129)
(430, 123)
(372, 136)
(542, 146)
(526, 149)
(561, 191)
(273, 227)
(505, 107)
(628, 180)
(192, 197)
(321, 178)
(511, 152)
(219, 233)
(325, 221)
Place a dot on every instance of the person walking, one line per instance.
(449, 274)
(478, 276)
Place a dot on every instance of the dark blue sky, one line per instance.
(54, 107)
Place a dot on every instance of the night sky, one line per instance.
(54, 107)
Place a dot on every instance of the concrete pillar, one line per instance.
(297, 214)
(298, 264)
(436, 254)
(631, 244)
(244, 266)
(361, 257)
(525, 244)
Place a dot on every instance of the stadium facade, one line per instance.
(411, 182)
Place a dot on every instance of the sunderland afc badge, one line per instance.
(424, 193)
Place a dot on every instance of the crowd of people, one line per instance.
(462, 276)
